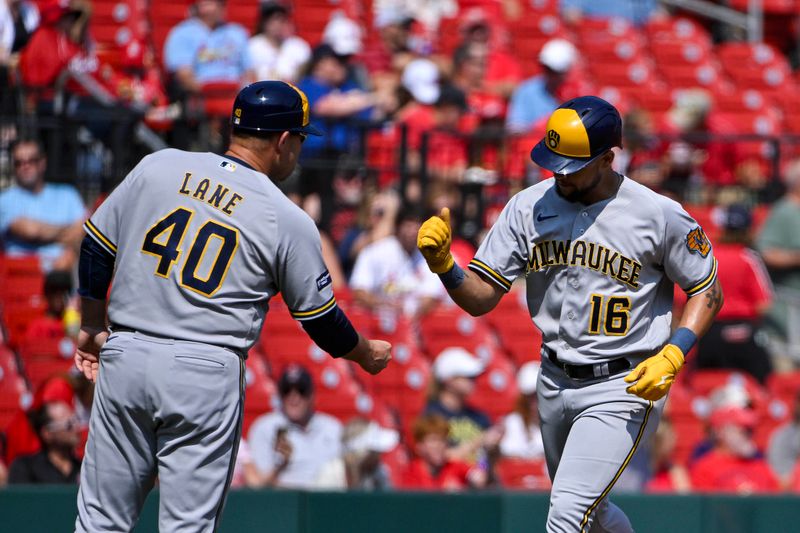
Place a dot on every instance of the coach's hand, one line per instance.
(87, 354)
(654, 376)
(434, 239)
(371, 355)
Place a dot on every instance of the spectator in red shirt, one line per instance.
(734, 464)
(431, 469)
(731, 341)
(51, 325)
(667, 475)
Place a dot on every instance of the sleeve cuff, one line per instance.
(314, 313)
(482, 268)
(707, 282)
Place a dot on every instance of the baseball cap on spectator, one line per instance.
(269, 9)
(558, 55)
(456, 363)
(527, 377)
(343, 35)
(392, 16)
(323, 51)
(473, 18)
(735, 217)
(373, 438)
(295, 377)
(733, 415)
(421, 79)
(450, 95)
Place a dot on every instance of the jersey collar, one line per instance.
(240, 161)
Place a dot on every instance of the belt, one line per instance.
(116, 328)
(597, 370)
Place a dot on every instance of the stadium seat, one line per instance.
(526, 474)
(704, 382)
(12, 387)
(260, 392)
(496, 390)
(450, 326)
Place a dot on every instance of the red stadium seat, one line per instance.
(496, 390)
(527, 474)
(450, 326)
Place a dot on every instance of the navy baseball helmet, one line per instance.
(578, 132)
(272, 106)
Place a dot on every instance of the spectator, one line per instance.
(668, 476)
(433, 468)
(289, 447)
(205, 49)
(40, 218)
(636, 12)
(376, 219)
(783, 451)
(360, 467)
(471, 437)
(537, 97)
(779, 244)
(390, 274)
(345, 36)
(470, 68)
(429, 13)
(522, 437)
(734, 464)
(277, 53)
(394, 51)
(57, 428)
(731, 341)
(60, 319)
(25, 17)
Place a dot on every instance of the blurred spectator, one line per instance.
(472, 437)
(276, 52)
(640, 157)
(537, 97)
(57, 429)
(40, 218)
(360, 468)
(390, 275)
(783, 451)
(470, 68)
(428, 13)
(432, 468)
(345, 36)
(376, 219)
(72, 389)
(734, 464)
(779, 244)
(694, 159)
(503, 72)
(731, 342)
(522, 436)
(60, 319)
(667, 476)
(289, 447)
(393, 52)
(636, 12)
(206, 49)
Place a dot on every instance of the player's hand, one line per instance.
(87, 354)
(654, 376)
(434, 239)
(374, 358)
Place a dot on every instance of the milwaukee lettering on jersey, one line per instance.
(584, 254)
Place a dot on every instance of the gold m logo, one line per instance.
(553, 138)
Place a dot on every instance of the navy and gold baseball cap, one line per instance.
(272, 106)
(578, 132)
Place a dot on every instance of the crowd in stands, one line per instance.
(424, 104)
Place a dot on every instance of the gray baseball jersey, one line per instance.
(201, 244)
(599, 287)
(599, 277)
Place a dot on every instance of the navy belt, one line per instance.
(597, 370)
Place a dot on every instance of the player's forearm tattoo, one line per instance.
(713, 297)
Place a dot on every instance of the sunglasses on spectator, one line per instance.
(302, 390)
(30, 161)
(66, 425)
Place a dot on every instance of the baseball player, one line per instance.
(197, 244)
(600, 254)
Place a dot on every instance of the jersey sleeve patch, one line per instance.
(314, 313)
(706, 283)
(697, 242)
(486, 270)
(98, 236)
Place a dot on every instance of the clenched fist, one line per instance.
(654, 375)
(434, 239)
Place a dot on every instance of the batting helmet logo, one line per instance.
(553, 139)
(697, 242)
(238, 112)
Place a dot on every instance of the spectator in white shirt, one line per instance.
(276, 53)
(289, 447)
(523, 438)
(390, 275)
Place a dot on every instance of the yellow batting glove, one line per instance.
(434, 239)
(654, 376)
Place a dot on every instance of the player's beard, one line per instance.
(577, 194)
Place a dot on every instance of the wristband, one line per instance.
(684, 339)
(453, 278)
